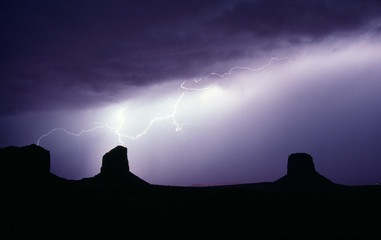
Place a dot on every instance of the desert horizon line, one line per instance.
(300, 165)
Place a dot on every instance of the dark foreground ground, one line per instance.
(126, 207)
(177, 213)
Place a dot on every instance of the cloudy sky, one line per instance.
(200, 92)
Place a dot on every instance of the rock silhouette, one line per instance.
(115, 162)
(117, 204)
(30, 160)
(300, 164)
(301, 173)
(26, 168)
(115, 173)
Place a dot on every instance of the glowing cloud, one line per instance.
(260, 105)
(170, 116)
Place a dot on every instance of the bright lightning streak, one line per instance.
(182, 86)
(116, 130)
(172, 116)
(69, 133)
(230, 72)
(151, 123)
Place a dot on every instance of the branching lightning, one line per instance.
(171, 116)
(230, 72)
(69, 133)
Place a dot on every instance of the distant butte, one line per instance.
(23, 164)
(115, 173)
(117, 204)
(24, 168)
(301, 173)
(115, 162)
(30, 160)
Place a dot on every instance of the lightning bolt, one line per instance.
(68, 132)
(230, 72)
(171, 116)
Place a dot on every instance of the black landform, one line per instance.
(301, 174)
(116, 204)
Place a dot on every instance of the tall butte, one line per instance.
(115, 162)
(115, 172)
(301, 173)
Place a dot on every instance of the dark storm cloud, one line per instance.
(316, 19)
(69, 54)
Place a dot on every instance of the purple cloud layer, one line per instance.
(70, 54)
(76, 64)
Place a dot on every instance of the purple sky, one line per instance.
(302, 76)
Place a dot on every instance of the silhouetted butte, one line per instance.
(301, 173)
(24, 167)
(115, 162)
(115, 172)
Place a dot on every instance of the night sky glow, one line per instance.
(215, 92)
